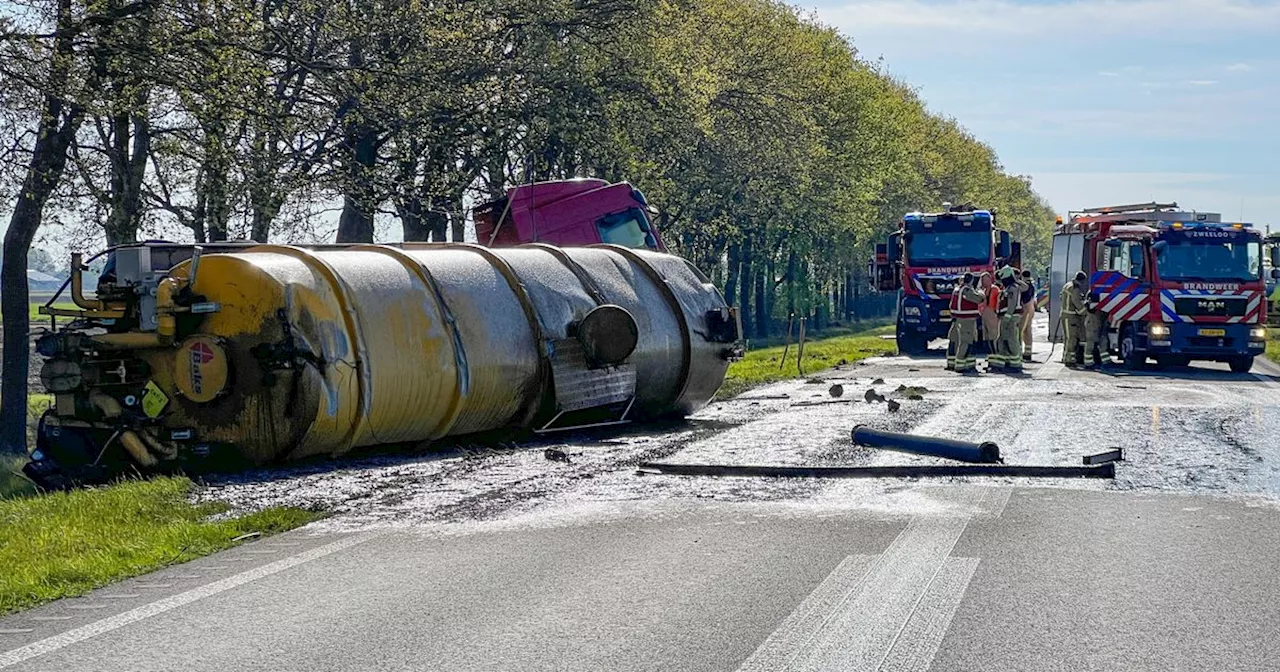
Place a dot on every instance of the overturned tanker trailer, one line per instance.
(220, 357)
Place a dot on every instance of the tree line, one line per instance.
(774, 152)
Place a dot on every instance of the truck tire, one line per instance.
(911, 344)
(1129, 355)
(1241, 364)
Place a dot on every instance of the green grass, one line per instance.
(761, 366)
(1273, 346)
(64, 544)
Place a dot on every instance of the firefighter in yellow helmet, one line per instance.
(965, 304)
(1008, 352)
(1072, 315)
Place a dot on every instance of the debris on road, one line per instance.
(872, 396)
(979, 453)
(894, 406)
(878, 381)
(1107, 470)
(1113, 455)
(836, 390)
(556, 455)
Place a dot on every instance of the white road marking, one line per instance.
(918, 642)
(50, 644)
(778, 650)
(854, 618)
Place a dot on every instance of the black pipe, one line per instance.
(964, 451)
(1107, 470)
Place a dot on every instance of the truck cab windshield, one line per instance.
(949, 248)
(1210, 260)
(628, 229)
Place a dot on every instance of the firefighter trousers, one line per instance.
(1009, 345)
(1073, 326)
(1096, 345)
(953, 339)
(960, 349)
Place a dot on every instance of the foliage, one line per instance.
(776, 155)
(65, 544)
(762, 366)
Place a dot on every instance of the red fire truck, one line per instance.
(1173, 285)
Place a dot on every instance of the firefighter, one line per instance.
(1009, 308)
(965, 304)
(1096, 345)
(1072, 315)
(990, 321)
(1028, 313)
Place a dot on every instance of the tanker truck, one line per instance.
(568, 212)
(217, 357)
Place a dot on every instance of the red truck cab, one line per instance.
(568, 213)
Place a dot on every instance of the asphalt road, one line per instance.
(501, 560)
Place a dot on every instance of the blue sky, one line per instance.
(1101, 101)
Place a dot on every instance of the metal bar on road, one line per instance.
(1107, 470)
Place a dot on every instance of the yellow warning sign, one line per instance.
(153, 400)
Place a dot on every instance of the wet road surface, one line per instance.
(500, 559)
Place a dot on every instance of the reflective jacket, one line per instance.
(965, 302)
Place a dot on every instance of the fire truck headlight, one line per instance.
(1258, 334)
(911, 310)
(1157, 329)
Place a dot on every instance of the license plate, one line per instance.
(1213, 332)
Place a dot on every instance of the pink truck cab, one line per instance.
(568, 213)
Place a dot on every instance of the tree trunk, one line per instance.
(456, 216)
(445, 220)
(762, 307)
(411, 220)
(731, 282)
(56, 131)
(359, 145)
(747, 281)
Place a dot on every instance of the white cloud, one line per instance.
(1086, 17)
(1109, 73)
(1203, 82)
(1239, 67)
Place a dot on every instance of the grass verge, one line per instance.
(1273, 346)
(65, 544)
(762, 366)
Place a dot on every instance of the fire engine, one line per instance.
(925, 258)
(1174, 285)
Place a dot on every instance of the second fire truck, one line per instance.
(1173, 285)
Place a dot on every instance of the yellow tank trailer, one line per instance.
(223, 356)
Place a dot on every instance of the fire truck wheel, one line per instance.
(1241, 364)
(1133, 360)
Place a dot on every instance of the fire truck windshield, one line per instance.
(949, 248)
(1191, 259)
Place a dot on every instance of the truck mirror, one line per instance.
(894, 253)
(1275, 274)
(1005, 247)
(1159, 247)
(1275, 256)
(1113, 242)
